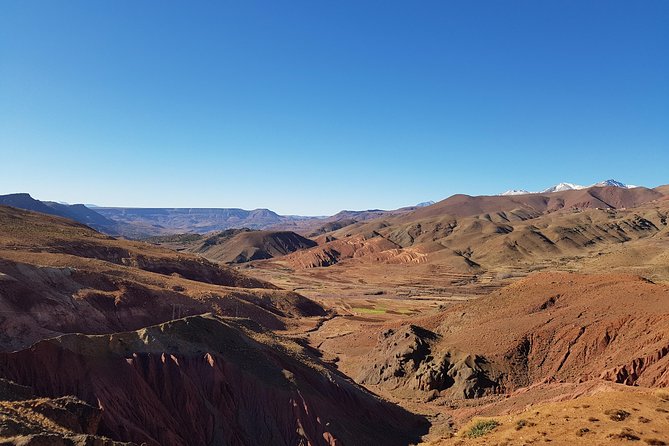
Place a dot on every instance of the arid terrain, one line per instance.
(517, 319)
(334, 223)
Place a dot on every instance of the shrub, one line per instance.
(480, 428)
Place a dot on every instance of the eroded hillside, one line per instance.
(472, 307)
(58, 276)
(205, 380)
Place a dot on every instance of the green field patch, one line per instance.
(365, 310)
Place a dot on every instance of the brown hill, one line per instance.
(546, 337)
(332, 226)
(525, 235)
(58, 276)
(332, 252)
(204, 380)
(664, 190)
(535, 204)
(609, 416)
(548, 327)
(244, 245)
(315, 226)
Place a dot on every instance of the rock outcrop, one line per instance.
(405, 360)
(29, 421)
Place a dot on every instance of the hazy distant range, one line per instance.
(147, 222)
(159, 221)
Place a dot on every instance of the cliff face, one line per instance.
(205, 381)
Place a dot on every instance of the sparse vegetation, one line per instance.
(524, 423)
(655, 442)
(480, 428)
(625, 434)
(617, 414)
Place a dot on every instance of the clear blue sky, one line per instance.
(309, 107)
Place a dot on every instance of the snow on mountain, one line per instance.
(516, 192)
(562, 187)
(570, 186)
(614, 183)
(424, 204)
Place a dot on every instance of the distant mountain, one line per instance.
(141, 223)
(25, 201)
(532, 205)
(76, 212)
(157, 221)
(238, 245)
(316, 226)
(515, 192)
(82, 214)
(425, 203)
(614, 183)
(561, 187)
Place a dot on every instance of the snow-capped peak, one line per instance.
(425, 204)
(516, 192)
(562, 187)
(614, 183)
(570, 186)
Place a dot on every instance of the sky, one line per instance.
(311, 107)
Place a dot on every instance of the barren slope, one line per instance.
(204, 381)
(610, 416)
(547, 327)
(465, 205)
(243, 245)
(496, 240)
(57, 276)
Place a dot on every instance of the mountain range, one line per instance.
(560, 187)
(140, 223)
(76, 212)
